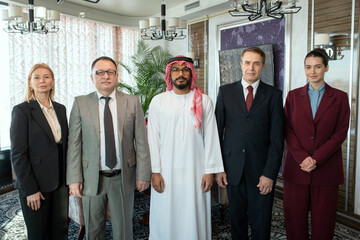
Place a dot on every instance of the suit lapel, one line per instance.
(239, 97)
(259, 97)
(305, 101)
(40, 118)
(61, 118)
(121, 103)
(93, 107)
(325, 103)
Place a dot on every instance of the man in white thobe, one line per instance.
(185, 153)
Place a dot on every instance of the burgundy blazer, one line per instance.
(320, 137)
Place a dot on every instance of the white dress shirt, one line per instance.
(113, 109)
(53, 121)
(255, 86)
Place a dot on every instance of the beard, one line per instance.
(183, 85)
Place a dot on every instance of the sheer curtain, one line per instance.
(5, 105)
(69, 53)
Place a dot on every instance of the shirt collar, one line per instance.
(43, 107)
(254, 85)
(321, 88)
(112, 95)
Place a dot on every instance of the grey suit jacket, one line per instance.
(83, 158)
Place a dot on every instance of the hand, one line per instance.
(75, 189)
(207, 182)
(308, 165)
(142, 185)
(265, 185)
(158, 182)
(33, 200)
(221, 179)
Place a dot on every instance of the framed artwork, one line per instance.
(230, 69)
(262, 33)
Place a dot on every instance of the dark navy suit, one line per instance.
(252, 145)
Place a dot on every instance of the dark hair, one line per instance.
(255, 50)
(103, 58)
(318, 52)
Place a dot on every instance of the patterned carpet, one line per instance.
(12, 225)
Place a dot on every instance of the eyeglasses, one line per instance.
(102, 72)
(184, 70)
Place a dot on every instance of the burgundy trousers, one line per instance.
(321, 201)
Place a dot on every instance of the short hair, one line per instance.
(30, 94)
(318, 52)
(103, 58)
(255, 50)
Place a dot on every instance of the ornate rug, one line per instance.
(12, 225)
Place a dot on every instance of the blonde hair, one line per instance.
(30, 94)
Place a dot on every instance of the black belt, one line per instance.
(111, 173)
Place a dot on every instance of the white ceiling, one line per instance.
(131, 8)
(129, 12)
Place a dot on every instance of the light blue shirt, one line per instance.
(315, 97)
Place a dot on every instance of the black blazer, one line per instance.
(34, 152)
(250, 141)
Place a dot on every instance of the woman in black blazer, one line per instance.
(39, 133)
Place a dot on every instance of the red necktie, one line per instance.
(249, 97)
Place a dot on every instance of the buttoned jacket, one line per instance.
(83, 163)
(321, 137)
(251, 141)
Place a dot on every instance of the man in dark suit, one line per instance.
(105, 165)
(250, 121)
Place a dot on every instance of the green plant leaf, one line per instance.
(147, 68)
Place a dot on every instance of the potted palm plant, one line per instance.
(147, 69)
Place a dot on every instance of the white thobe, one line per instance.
(182, 155)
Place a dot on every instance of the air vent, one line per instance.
(192, 5)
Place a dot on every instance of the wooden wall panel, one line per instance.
(334, 17)
(198, 38)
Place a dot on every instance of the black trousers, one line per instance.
(51, 220)
(249, 207)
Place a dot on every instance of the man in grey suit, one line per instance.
(107, 150)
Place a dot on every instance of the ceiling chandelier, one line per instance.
(255, 9)
(38, 19)
(156, 28)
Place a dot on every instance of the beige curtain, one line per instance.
(69, 53)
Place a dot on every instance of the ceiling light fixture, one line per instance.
(95, 1)
(156, 28)
(38, 19)
(333, 45)
(254, 9)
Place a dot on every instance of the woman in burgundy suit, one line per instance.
(317, 120)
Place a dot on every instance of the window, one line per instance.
(69, 53)
(5, 107)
